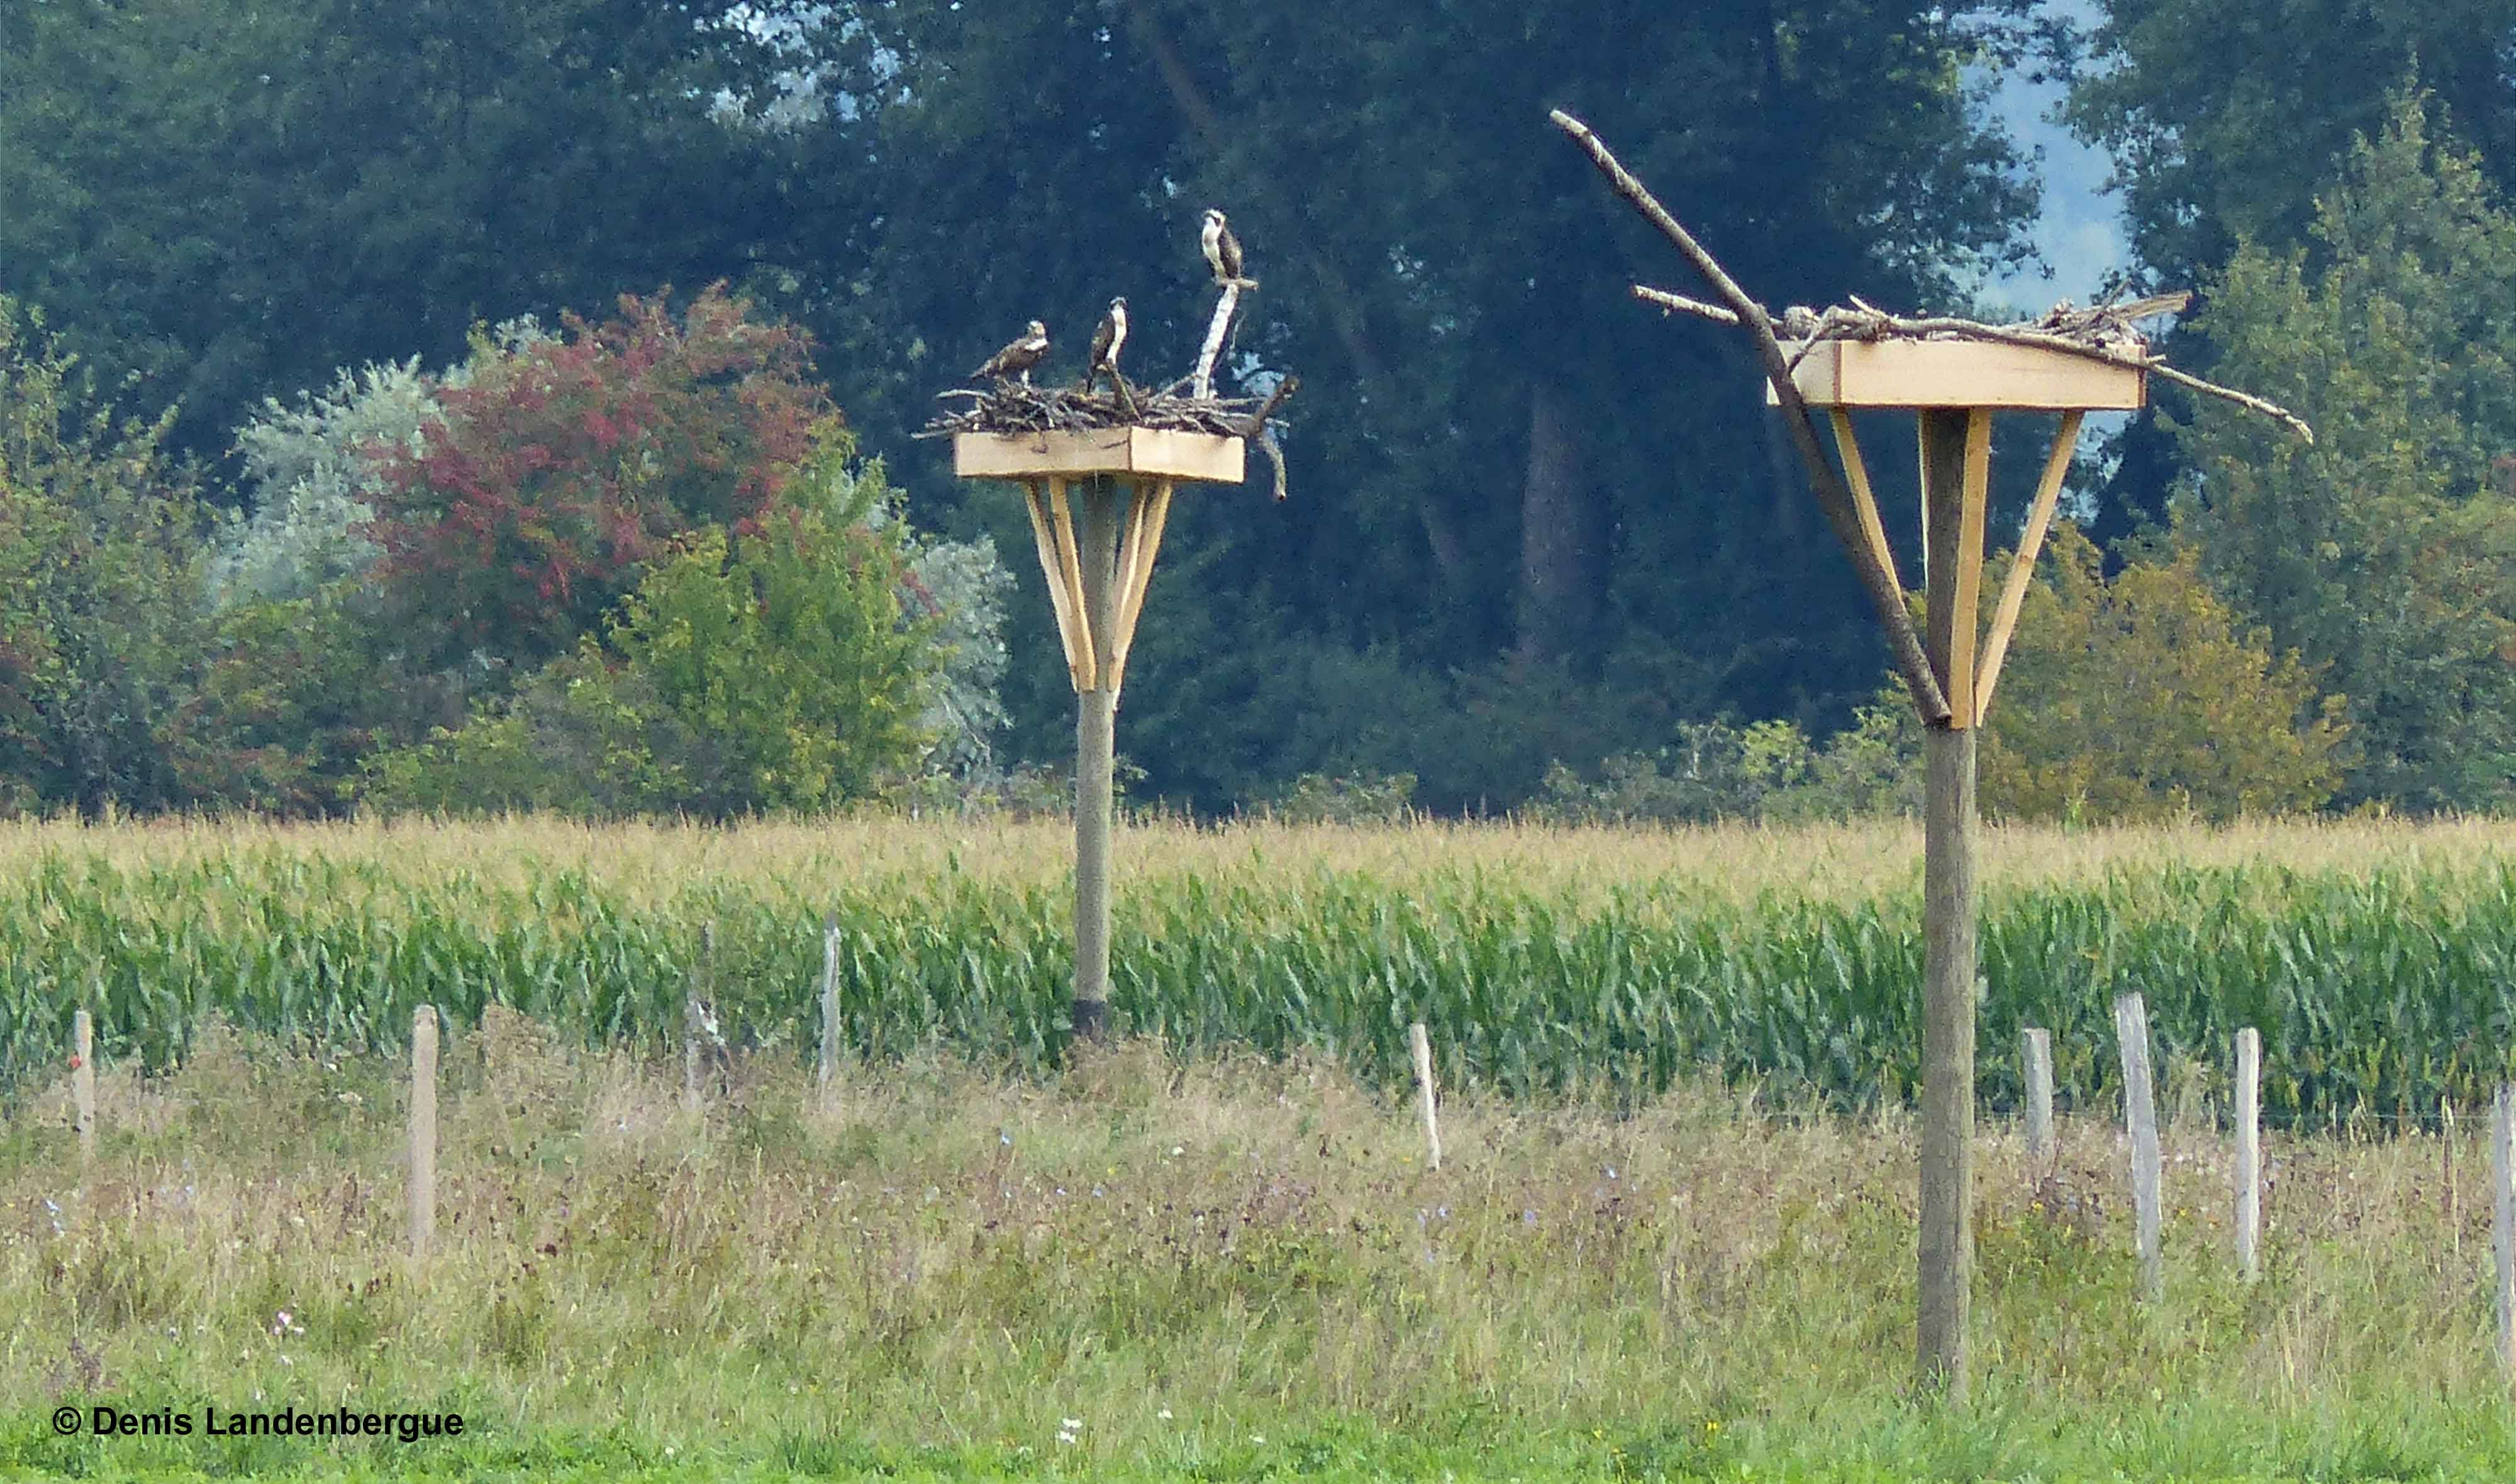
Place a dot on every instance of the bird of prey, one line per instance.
(1106, 342)
(1017, 358)
(1221, 248)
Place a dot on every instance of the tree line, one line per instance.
(341, 471)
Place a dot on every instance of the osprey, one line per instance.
(1017, 358)
(1221, 248)
(1106, 342)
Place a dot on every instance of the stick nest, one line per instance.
(1012, 407)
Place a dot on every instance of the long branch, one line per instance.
(1833, 495)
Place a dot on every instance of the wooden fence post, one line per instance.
(423, 1129)
(2503, 1183)
(2446, 1160)
(695, 1017)
(83, 1082)
(2036, 1056)
(1422, 1046)
(2250, 1152)
(2140, 1117)
(829, 1002)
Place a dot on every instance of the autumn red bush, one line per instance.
(565, 463)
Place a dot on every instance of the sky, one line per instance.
(2081, 234)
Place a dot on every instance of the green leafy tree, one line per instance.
(2144, 696)
(2227, 119)
(773, 670)
(2385, 552)
(223, 198)
(100, 589)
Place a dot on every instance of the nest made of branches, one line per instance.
(1013, 407)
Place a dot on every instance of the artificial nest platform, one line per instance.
(1014, 430)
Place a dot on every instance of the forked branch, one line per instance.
(1833, 494)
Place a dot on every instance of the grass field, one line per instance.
(1660, 1248)
(1223, 1269)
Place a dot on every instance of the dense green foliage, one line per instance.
(2379, 994)
(2384, 554)
(2139, 697)
(1506, 549)
(770, 671)
(99, 559)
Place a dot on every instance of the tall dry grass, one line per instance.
(1188, 1257)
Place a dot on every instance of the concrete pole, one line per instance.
(1096, 718)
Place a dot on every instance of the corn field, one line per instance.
(2377, 960)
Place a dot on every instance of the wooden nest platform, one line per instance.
(1015, 431)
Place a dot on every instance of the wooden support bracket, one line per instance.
(1052, 565)
(1147, 514)
(1081, 656)
(1097, 663)
(1957, 484)
(2022, 568)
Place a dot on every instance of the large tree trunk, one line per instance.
(1562, 536)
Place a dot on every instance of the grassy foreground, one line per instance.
(1218, 1268)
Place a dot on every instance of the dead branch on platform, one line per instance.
(1833, 494)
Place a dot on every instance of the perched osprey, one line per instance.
(1017, 358)
(1221, 248)
(1106, 344)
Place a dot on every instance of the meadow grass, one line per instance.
(1218, 1267)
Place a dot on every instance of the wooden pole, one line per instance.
(2036, 1055)
(423, 1129)
(1946, 1249)
(2250, 1152)
(1946, 1245)
(1422, 1046)
(829, 1002)
(2502, 1226)
(2140, 1117)
(1095, 756)
(83, 1082)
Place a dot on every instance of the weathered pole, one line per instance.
(1096, 720)
(1955, 447)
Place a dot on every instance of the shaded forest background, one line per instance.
(338, 469)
